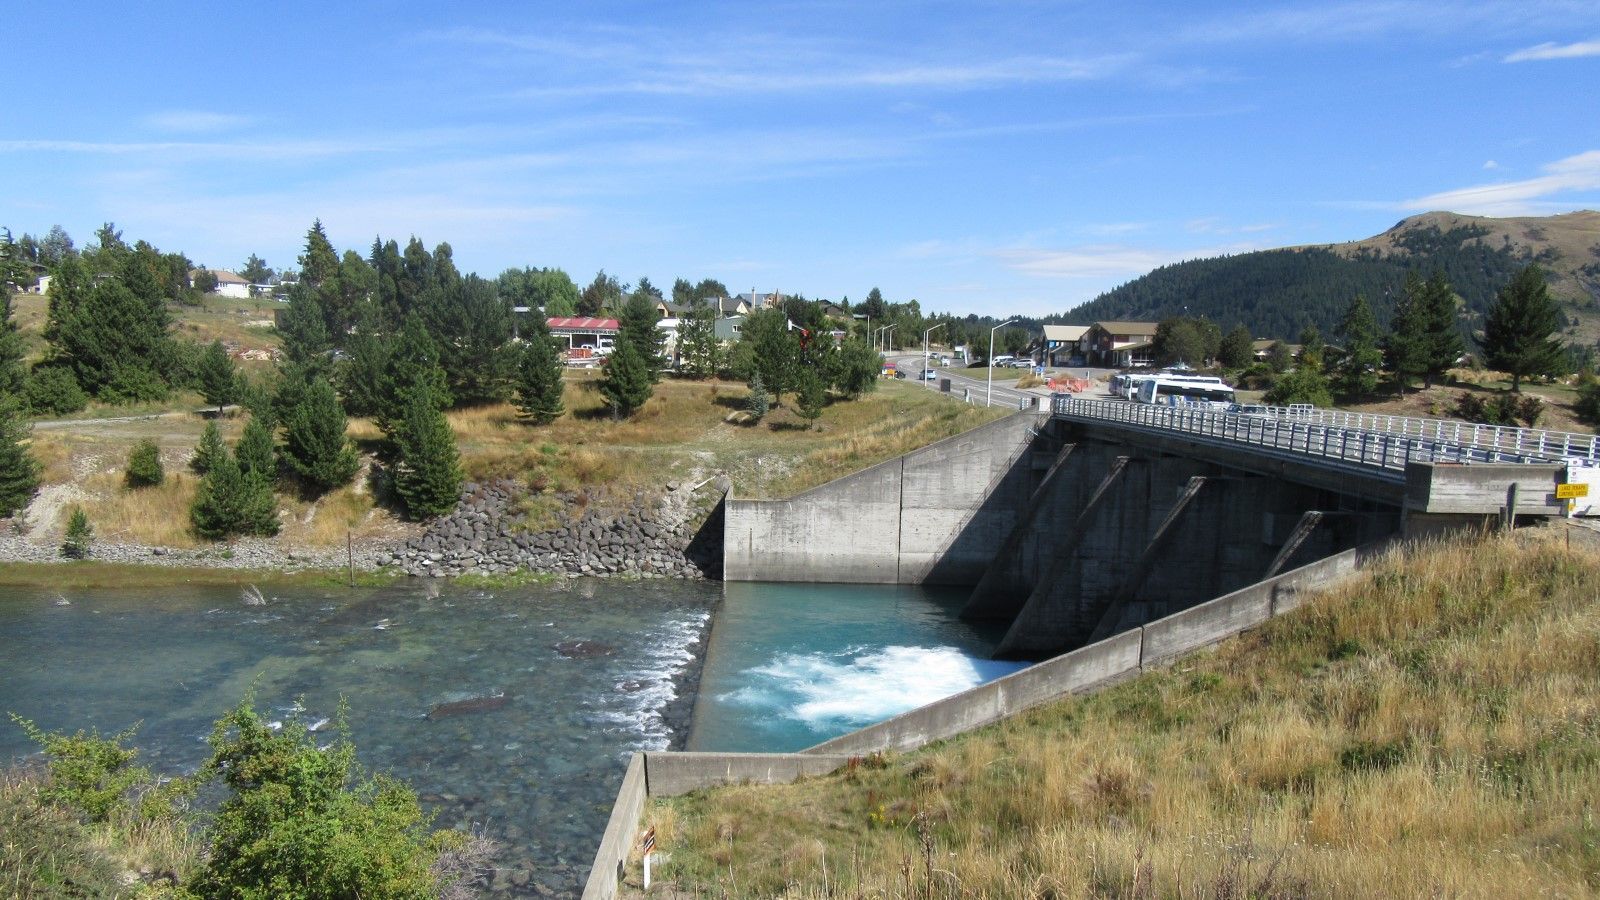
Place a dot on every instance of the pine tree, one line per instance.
(229, 502)
(319, 265)
(19, 471)
(427, 473)
(362, 376)
(471, 329)
(256, 455)
(637, 327)
(626, 382)
(539, 382)
(13, 375)
(757, 403)
(144, 465)
(209, 450)
(1357, 374)
(776, 350)
(303, 327)
(698, 349)
(1405, 350)
(811, 395)
(314, 442)
(1517, 332)
(1441, 334)
(412, 367)
(79, 536)
(113, 339)
(219, 379)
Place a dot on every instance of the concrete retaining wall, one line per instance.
(617, 840)
(934, 515)
(1090, 668)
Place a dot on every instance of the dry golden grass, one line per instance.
(1431, 728)
(157, 515)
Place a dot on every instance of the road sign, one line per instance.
(1571, 491)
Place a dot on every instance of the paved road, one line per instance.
(975, 387)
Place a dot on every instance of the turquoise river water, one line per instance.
(592, 670)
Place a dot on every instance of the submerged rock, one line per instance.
(485, 703)
(583, 649)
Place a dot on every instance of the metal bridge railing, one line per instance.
(1382, 442)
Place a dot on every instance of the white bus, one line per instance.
(1185, 390)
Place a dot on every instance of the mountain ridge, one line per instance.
(1277, 292)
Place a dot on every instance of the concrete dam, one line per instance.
(1071, 528)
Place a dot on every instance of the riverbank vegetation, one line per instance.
(294, 820)
(1429, 728)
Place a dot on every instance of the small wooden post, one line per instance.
(350, 555)
(1510, 520)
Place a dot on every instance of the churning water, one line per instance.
(589, 671)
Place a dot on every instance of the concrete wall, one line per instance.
(935, 515)
(617, 840)
(1481, 488)
(1090, 668)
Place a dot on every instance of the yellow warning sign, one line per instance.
(1571, 491)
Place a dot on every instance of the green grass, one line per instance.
(1430, 728)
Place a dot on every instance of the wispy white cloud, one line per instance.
(190, 150)
(1491, 164)
(1105, 260)
(1529, 196)
(195, 121)
(1368, 18)
(1555, 51)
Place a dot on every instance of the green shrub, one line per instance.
(44, 850)
(75, 544)
(144, 465)
(758, 403)
(52, 391)
(1504, 409)
(90, 774)
(299, 822)
(208, 450)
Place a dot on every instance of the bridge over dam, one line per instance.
(1075, 522)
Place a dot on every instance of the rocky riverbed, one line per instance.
(665, 533)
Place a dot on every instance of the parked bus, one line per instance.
(1126, 384)
(1185, 390)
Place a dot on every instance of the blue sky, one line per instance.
(1007, 157)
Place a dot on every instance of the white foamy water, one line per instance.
(857, 687)
(634, 708)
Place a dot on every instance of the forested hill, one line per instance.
(1276, 293)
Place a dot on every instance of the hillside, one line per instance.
(1278, 292)
(1429, 729)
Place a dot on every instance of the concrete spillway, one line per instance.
(1068, 532)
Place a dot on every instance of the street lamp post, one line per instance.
(888, 332)
(988, 397)
(925, 350)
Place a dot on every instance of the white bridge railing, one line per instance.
(1383, 442)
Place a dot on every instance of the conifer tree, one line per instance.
(427, 472)
(1405, 350)
(539, 382)
(698, 349)
(412, 368)
(256, 454)
(144, 465)
(219, 379)
(362, 377)
(229, 502)
(637, 327)
(112, 338)
(1357, 375)
(314, 442)
(12, 374)
(209, 450)
(811, 395)
(1441, 334)
(19, 471)
(303, 327)
(471, 328)
(626, 382)
(757, 403)
(1519, 327)
(79, 536)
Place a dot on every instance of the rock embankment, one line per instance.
(263, 554)
(647, 536)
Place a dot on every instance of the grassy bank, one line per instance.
(1431, 728)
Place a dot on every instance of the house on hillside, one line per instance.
(229, 284)
(753, 300)
(1122, 345)
(666, 309)
(42, 286)
(729, 328)
(1064, 345)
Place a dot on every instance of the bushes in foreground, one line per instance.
(295, 822)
